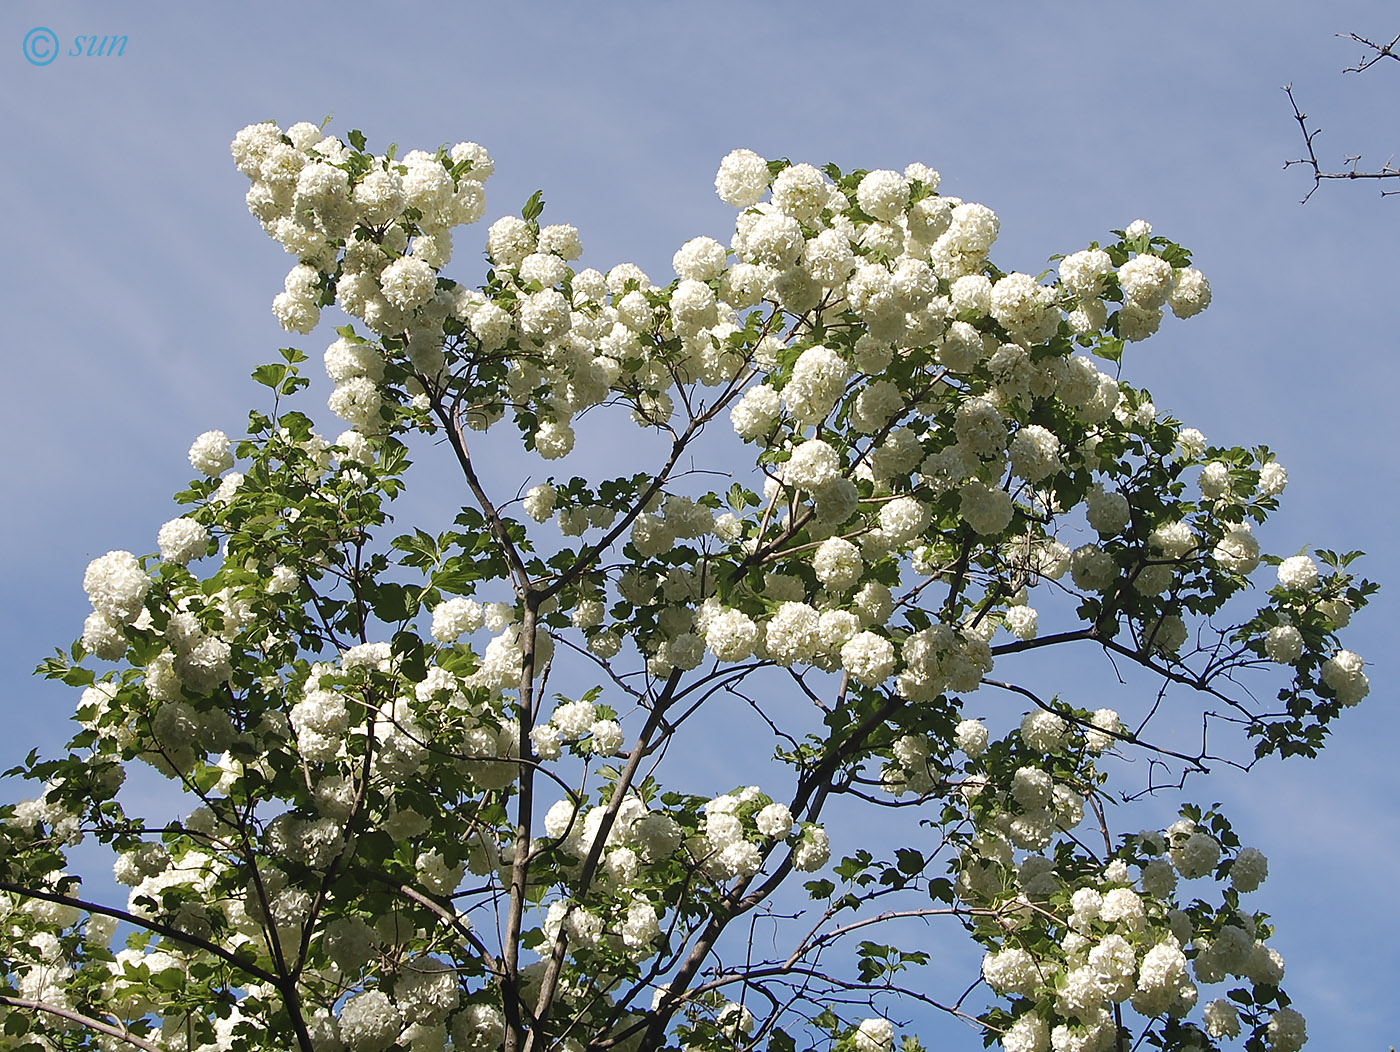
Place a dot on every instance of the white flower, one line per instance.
(1108, 511)
(773, 240)
(1136, 322)
(754, 414)
(102, 638)
(1123, 906)
(282, 581)
(700, 259)
(562, 240)
(1011, 971)
(1337, 611)
(837, 563)
(357, 401)
(1221, 1019)
(481, 163)
(1195, 856)
(903, 519)
(1107, 724)
(509, 241)
(874, 1035)
(1022, 621)
(1032, 788)
(793, 633)
(1043, 731)
(116, 586)
(456, 617)
(731, 635)
(210, 454)
(408, 283)
(181, 540)
(818, 380)
(1173, 539)
(1298, 573)
(972, 293)
(1215, 480)
(812, 851)
(1138, 229)
(369, 1022)
(1248, 870)
(539, 502)
(1284, 644)
(1024, 308)
(227, 488)
(1342, 672)
(980, 426)
(544, 315)
(1083, 273)
(1191, 441)
(1191, 294)
(1029, 1033)
(1238, 550)
(606, 737)
(554, 439)
(641, 925)
(813, 465)
(869, 658)
(1035, 453)
(801, 191)
(742, 178)
(883, 194)
(971, 737)
(829, 258)
(1272, 478)
(1092, 568)
(1287, 1031)
(775, 820)
(1146, 281)
(426, 990)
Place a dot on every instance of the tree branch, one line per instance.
(150, 925)
(1386, 171)
(84, 1020)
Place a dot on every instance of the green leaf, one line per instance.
(270, 375)
(533, 207)
(357, 139)
(412, 662)
(909, 861)
(820, 889)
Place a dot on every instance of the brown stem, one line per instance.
(84, 1020)
(150, 925)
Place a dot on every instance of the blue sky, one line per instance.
(137, 287)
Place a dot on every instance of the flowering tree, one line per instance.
(397, 837)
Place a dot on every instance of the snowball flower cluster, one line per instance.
(874, 1035)
(455, 618)
(211, 454)
(1343, 673)
(742, 178)
(116, 586)
(181, 540)
(1298, 573)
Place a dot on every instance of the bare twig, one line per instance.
(1351, 169)
(1380, 51)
